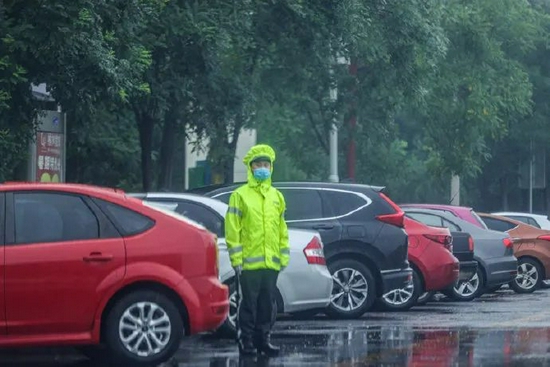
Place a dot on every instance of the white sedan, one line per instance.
(305, 286)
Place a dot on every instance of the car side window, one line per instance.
(127, 222)
(427, 219)
(302, 204)
(520, 219)
(53, 217)
(224, 197)
(498, 225)
(452, 227)
(533, 222)
(202, 215)
(343, 203)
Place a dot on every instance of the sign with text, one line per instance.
(49, 156)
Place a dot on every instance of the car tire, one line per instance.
(345, 271)
(545, 284)
(425, 298)
(151, 305)
(402, 299)
(467, 290)
(529, 276)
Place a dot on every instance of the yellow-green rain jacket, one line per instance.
(255, 228)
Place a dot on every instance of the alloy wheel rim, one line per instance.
(527, 276)
(145, 329)
(350, 289)
(401, 296)
(467, 287)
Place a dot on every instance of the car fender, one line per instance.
(147, 272)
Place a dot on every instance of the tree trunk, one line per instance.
(146, 124)
(229, 163)
(168, 148)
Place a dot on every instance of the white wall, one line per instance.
(247, 139)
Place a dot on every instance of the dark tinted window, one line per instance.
(427, 219)
(224, 197)
(202, 215)
(302, 204)
(127, 221)
(520, 219)
(48, 217)
(533, 222)
(498, 225)
(342, 203)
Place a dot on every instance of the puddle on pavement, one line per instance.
(355, 346)
(385, 346)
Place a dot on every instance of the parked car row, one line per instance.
(125, 277)
(384, 256)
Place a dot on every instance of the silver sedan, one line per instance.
(305, 286)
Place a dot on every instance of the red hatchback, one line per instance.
(83, 266)
(434, 266)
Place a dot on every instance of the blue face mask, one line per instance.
(262, 174)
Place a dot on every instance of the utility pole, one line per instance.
(531, 163)
(352, 123)
(455, 190)
(333, 139)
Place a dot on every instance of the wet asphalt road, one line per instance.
(499, 329)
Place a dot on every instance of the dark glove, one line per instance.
(238, 269)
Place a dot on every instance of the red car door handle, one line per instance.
(97, 257)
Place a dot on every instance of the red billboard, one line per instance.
(49, 157)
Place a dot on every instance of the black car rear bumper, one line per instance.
(396, 279)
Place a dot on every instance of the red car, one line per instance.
(434, 265)
(87, 266)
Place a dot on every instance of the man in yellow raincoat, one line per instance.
(257, 241)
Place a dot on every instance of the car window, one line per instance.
(533, 222)
(428, 219)
(224, 197)
(343, 203)
(302, 204)
(202, 215)
(478, 219)
(498, 225)
(518, 218)
(452, 227)
(128, 222)
(53, 217)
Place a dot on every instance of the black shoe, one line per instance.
(246, 347)
(266, 347)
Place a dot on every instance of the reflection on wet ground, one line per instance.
(353, 347)
(498, 330)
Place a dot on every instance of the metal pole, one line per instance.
(531, 161)
(455, 190)
(333, 141)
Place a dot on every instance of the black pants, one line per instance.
(257, 308)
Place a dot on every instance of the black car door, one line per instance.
(305, 208)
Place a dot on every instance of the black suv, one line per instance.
(365, 244)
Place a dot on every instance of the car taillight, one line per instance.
(545, 237)
(446, 241)
(471, 244)
(508, 242)
(314, 252)
(397, 218)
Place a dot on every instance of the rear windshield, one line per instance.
(167, 209)
(479, 220)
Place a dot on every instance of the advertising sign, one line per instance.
(49, 157)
